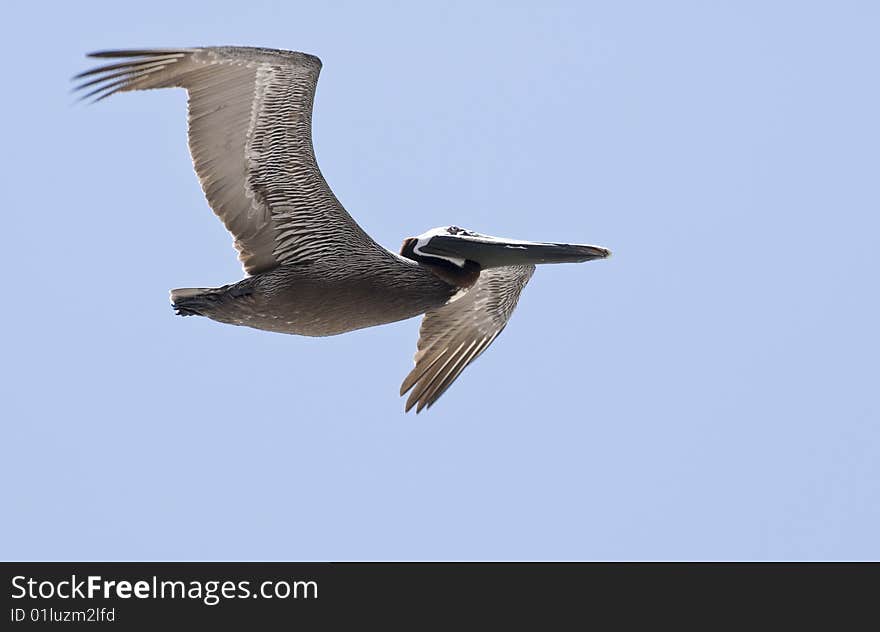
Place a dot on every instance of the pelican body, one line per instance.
(321, 298)
(311, 270)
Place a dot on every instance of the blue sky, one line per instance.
(710, 392)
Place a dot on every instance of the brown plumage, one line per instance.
(311, 269)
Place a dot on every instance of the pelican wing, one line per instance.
(453, 336)
(250, 118)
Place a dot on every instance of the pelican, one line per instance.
(310, 269)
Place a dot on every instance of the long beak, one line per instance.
(490, 252)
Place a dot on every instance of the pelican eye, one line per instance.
(455, 230)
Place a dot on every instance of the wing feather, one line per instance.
(250, 115)
(453, 336)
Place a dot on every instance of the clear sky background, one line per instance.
(710, 392)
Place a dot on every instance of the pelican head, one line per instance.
(451, 245)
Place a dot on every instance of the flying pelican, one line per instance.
(311, 270)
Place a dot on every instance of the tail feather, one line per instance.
(191, 301)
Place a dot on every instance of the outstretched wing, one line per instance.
(250, 136)
(453, 336)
